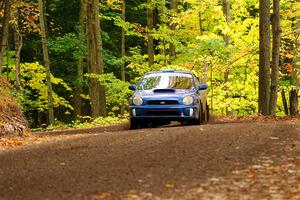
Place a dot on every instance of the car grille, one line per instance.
(162, 102)
(162, 113)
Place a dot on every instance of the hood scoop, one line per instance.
(164, 91)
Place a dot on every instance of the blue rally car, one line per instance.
(169, 95)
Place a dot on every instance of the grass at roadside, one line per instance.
(257, 118)
(88, 123)
(34, 137)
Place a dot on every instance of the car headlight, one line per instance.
(137, 101)
(188, 100)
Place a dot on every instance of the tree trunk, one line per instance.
(18, 40)
(123, 40)
(284, 101)
(150, 37)
(200, 23)
(95, 59)
(165, 52)
(294, 102)
(79, 87)
(46, 62)
(161, 18)
(123, 50)
(294, 75)
(227, 14)
(264, 57)
(211, 89)
(174, 12)
(18, 46)
(294, 91)
(4, 33)
(276, 31)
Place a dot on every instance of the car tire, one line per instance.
(137, 124)
(134, 124)
(155, 124)
(199, 120)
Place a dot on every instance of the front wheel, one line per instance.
(199, 120)
(133, 124)
(137, 124)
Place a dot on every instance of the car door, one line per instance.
(201, 93)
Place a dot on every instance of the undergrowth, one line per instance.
(88, 123)
(11, 115)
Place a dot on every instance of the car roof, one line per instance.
(170, 71)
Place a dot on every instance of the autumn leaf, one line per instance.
(167, 185)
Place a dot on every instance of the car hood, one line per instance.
(163, 93)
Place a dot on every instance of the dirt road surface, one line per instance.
(250, 160)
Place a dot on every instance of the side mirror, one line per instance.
(202, 87)
(132, 87)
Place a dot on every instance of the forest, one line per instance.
(72, 61)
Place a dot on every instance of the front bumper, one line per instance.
(165, 112)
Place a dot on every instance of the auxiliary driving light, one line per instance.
(191, 112)
(134, 112)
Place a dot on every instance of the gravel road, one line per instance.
(161, 163)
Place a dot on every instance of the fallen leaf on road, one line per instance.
(250, 174)
(100, 196)
(131, 192)
(169, 185)
(274, 138)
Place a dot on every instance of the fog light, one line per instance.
(191, 112)
(133, 112)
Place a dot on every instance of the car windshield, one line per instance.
(166, 81)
